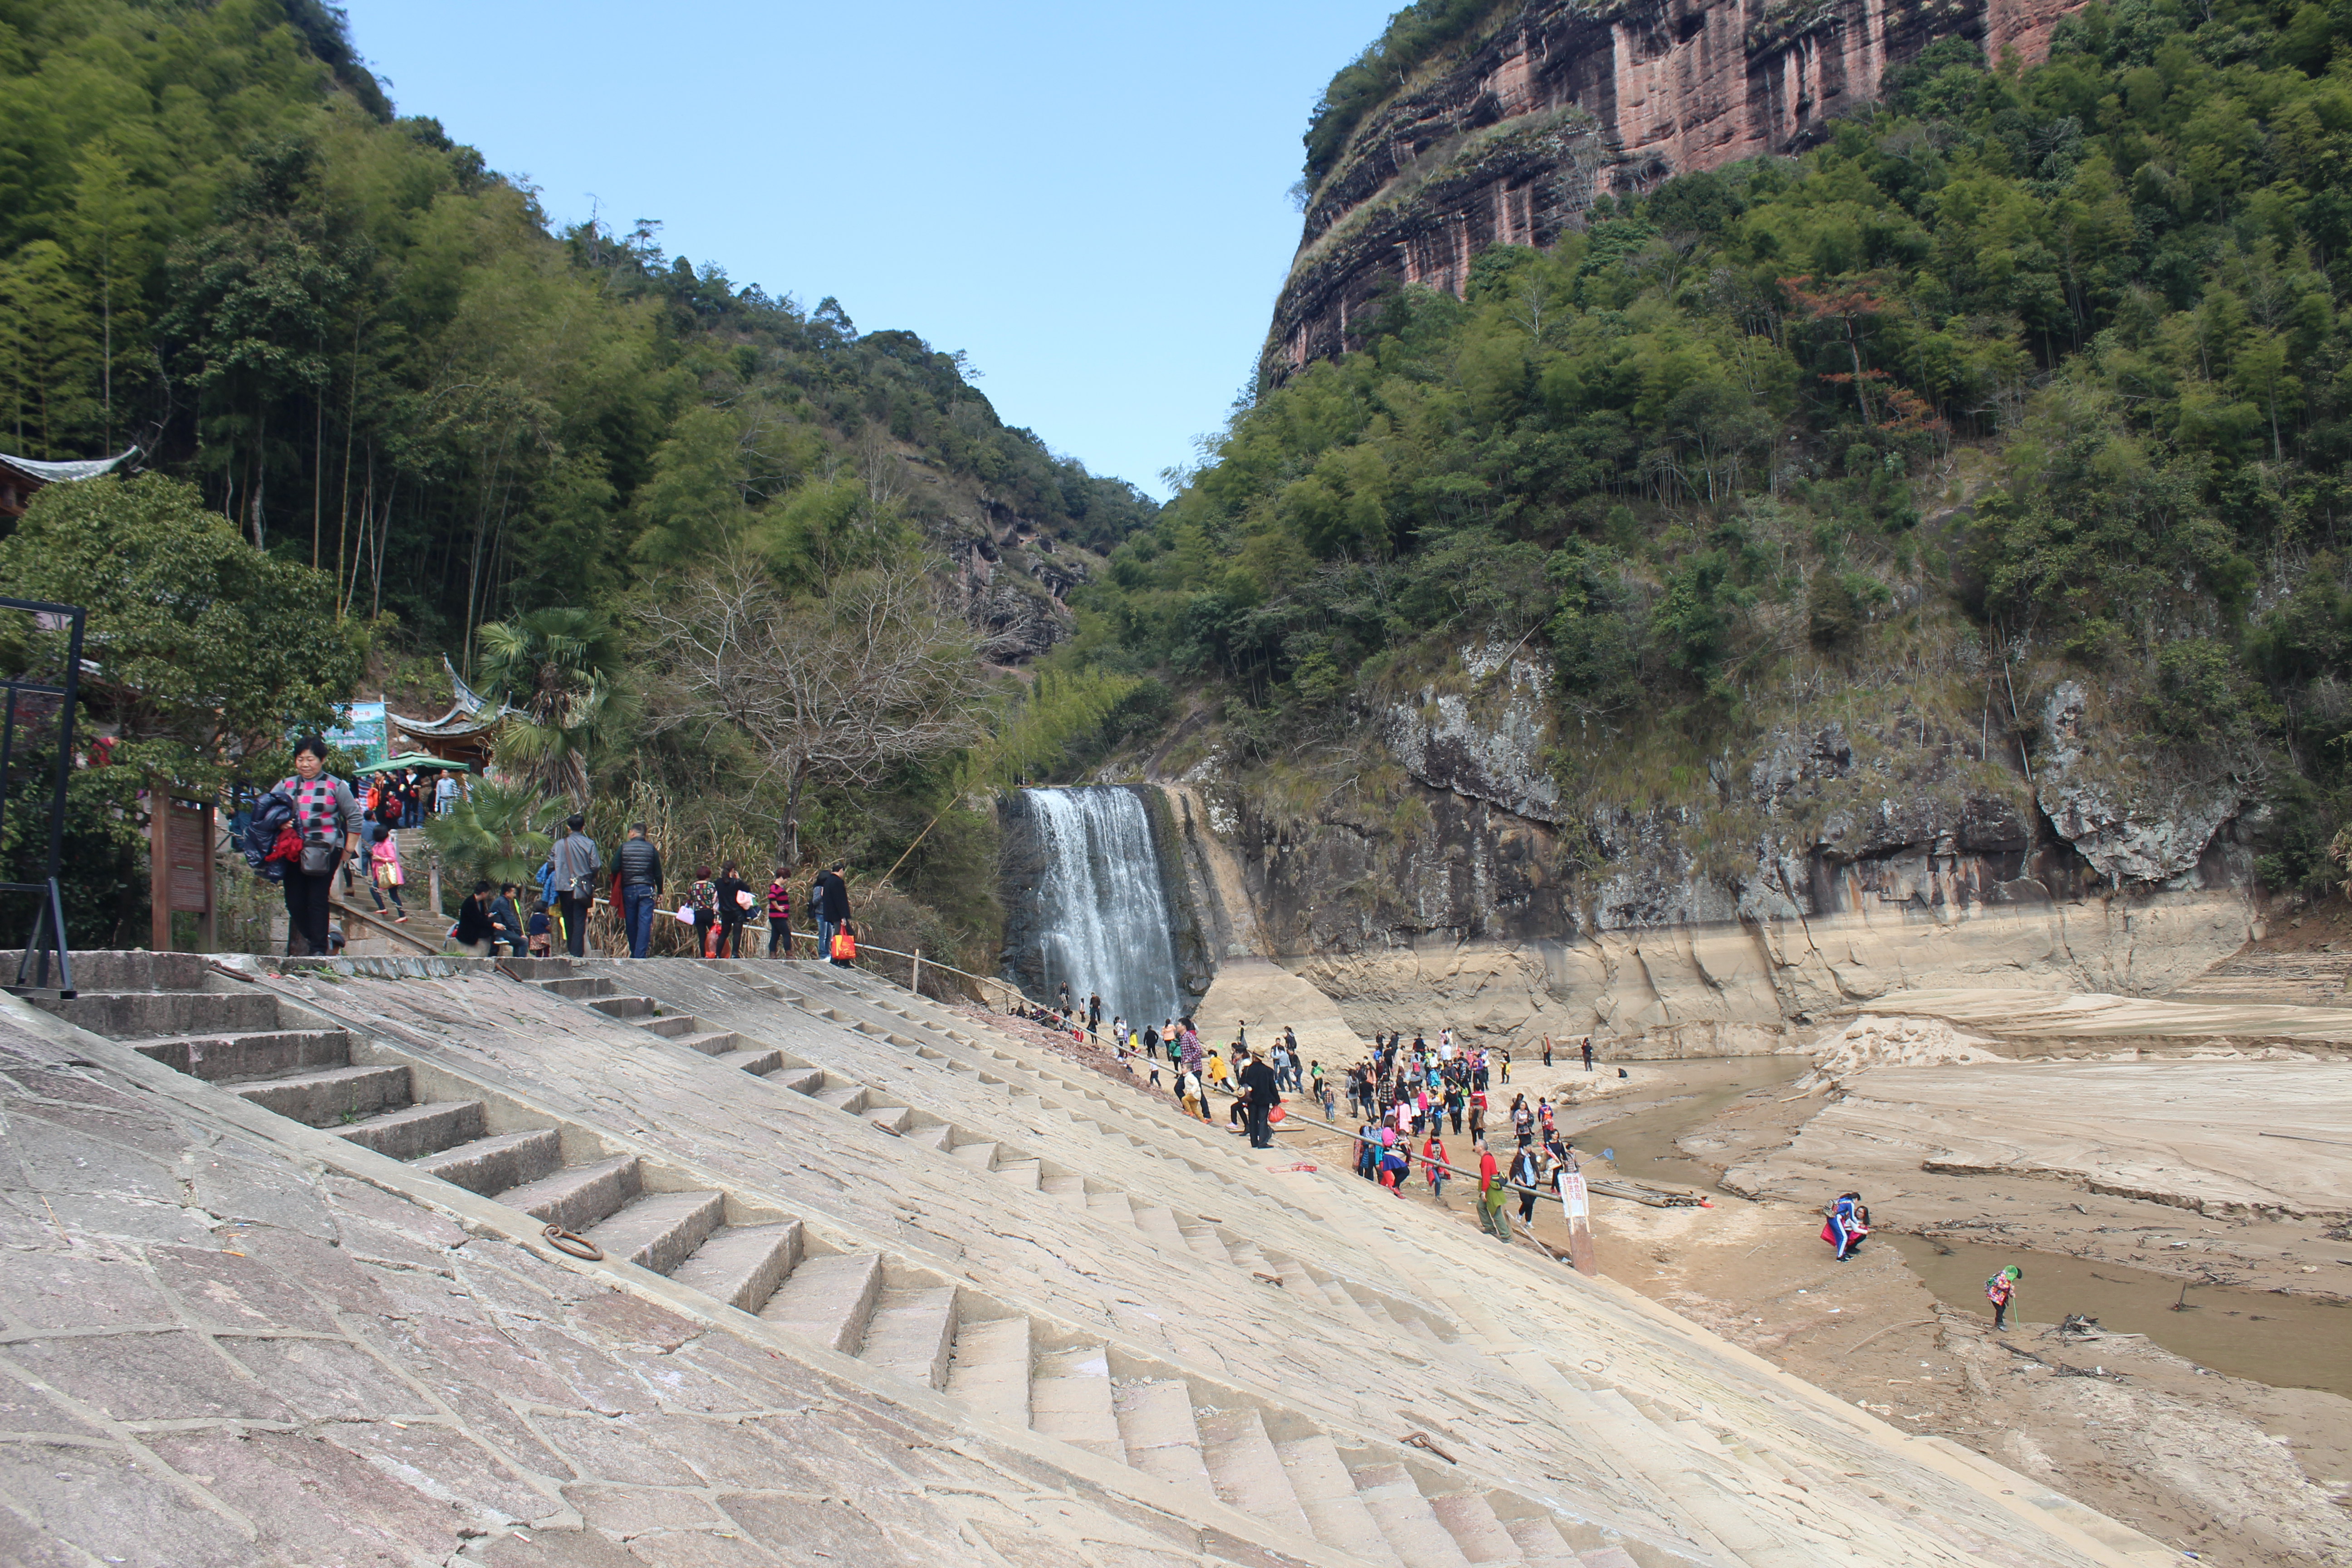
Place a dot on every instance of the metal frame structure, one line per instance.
(49, 932)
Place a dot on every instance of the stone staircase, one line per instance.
(1214, 1441)
(1357, 1306)
(171, 1008)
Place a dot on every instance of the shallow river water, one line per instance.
(2284, 1341)
(2290, 1341)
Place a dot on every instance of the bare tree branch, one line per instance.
(837, 689)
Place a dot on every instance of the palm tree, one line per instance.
(489, 836)
(559, 669)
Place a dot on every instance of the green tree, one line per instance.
(560, 670)
(209, 654)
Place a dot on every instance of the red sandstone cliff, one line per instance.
(1507, 137)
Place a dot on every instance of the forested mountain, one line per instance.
(375, 358)
(2024, 385)
(219, 241)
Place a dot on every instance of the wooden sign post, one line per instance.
(180, 869)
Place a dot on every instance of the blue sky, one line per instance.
(1091, 200)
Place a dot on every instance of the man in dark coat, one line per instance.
(1262, 1092)
(829, 903)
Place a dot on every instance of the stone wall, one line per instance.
(1818, 867)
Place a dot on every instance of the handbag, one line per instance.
(845, 946)
(319, 860)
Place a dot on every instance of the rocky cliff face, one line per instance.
(1821, 867)
(1507, 136)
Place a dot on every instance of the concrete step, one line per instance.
(1020, 1172)
(710, 1042)
(576, 988)
(897, 1118)
(1327, 1494)
(849, 1099)
(940, 1136)
(418, 1129)
(530, 968)
(124, 969)
(325, 1099)
(1605, 1557)
(979, 1156)
(1244, 1470)
(1245, 1254)
(1158, 1224)
(757, 1062)
(1540, 1543)
(828, 1298)
(801, 1081)
(743, 1265)
(215, 1058)
(671, 1028)
(1411, 1526)
(1295, 1278)
(1204, 1239)
(1155, 1423)
(491, 1166)
(912, 1333)
(626, 1007)
(989, 1372)
(1111, 1208)
(1070, 1398)
(1346, 1304)
(149, 1014)
(1471, 1520)
(577, 1196)
(661, 1230)
(1071, 1190)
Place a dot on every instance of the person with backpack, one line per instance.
(702, 902)
(1525, 1175)
(2001, 1290)
(1848, 1223)
(325, 818)
(639, 870)
(1492, 1195)
(577, 862)
(779, 917)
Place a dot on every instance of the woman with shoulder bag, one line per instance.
(327, 820)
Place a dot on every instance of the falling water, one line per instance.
(1102, 916)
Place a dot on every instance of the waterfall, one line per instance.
(1101, 914)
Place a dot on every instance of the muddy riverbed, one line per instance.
(2237, 1447)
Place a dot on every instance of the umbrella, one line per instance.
(415, 760)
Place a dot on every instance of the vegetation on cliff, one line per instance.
(377, 360)
(1411, 37)
(2019, 375)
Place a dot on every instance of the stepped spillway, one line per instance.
(870, 1266)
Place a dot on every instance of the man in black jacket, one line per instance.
(640, 870)
(1262, 1092)
(829, 905)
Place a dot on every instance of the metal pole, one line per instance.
(65, 754)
